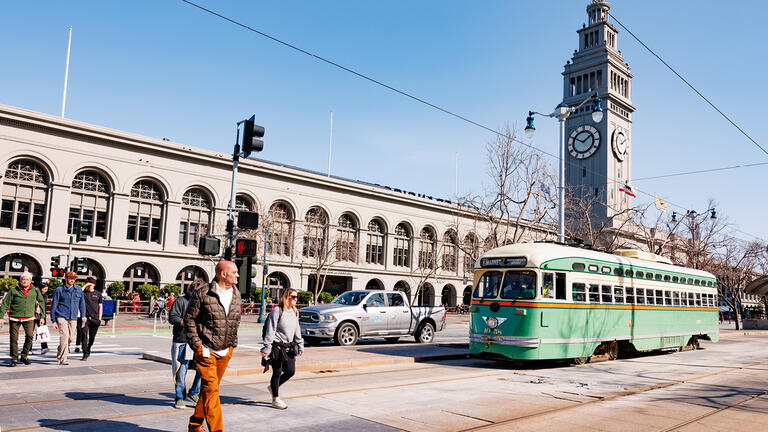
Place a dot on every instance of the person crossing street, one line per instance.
(67, 303)
(22, 303)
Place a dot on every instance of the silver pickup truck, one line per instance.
(370, 314)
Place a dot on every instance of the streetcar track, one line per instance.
(715, 411)
(491, 424)
(622, 394)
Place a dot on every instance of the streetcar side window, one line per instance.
(488, 285)
(547, 285)
(639, 274)
(640, 296)
(659, 297)
(606, 270)
(618, 294)
(579, 292)
(698, 299)
(691, 301)
(594, 294)
(649, 297)
(592, 268)
(617, 271)
(560, 286)
(674, 279)
(683, 299)
(657, 276)
(607, 294)
(577, 266)
(676, 298)
(630, 295)
(628, 273)
(668, 298)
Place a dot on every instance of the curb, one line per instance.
(329, 365)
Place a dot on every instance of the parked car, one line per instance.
(369, 314)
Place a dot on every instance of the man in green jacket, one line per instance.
(23, 301)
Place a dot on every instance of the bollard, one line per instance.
(154, 327)
(114, 318)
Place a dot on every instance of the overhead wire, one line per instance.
(456, 115)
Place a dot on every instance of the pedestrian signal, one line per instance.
(246, 247)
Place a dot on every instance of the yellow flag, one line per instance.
(662, 205)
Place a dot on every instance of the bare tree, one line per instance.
(735, 265)
(609, 233)
(519, 196)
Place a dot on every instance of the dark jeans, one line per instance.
(80, 331)
(89, 334)
(282, 370)
(29, 337)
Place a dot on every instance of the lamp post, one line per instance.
(561, 113)
(691, 214)
(264, 276)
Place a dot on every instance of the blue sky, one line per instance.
(166, 69)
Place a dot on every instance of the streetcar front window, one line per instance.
(519, 285)
(488, 285)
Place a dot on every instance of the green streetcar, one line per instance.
(537, 301)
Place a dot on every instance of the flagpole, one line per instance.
(66, 74)
(330, 145)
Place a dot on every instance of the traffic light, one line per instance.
(251, 133)
(80, 235)
(57, 272)
(245, 247)
(55, 261)
(244, 281)
(248, 220)
(209, 246)
(73, 264)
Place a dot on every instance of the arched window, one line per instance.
(427, 249)
(374, 249)
(243, 203)
(13, 265)
(195, 216)
(188, 274)
(450, 251)
(346, 242)
(470, 253)
(281, 230)
(402, 252)
(89, 203)
(25, 197)
(316, 229)
(145, 214)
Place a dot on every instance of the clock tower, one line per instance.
(598, 155)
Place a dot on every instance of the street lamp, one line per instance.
(561, 113)
(691, 214)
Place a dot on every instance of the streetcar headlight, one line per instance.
(492, 322)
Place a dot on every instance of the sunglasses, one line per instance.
(294, 297)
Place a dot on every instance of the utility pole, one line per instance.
(264, 276)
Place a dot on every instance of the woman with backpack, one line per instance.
(282, 343)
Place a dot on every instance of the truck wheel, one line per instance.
(346, 335)
(391, 339)
(425, 333)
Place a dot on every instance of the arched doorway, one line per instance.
(88, 267)
(374, 284)
(467, 295)
(139, 274)
(404, 287)
(448, 296)
(188, 274)
(276, 283)
(13, 265)
(426, 296)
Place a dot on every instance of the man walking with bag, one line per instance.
(67, 303)
(181, 356)
(211, 324)
(24, 301)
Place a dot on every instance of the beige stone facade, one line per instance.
(146, 201)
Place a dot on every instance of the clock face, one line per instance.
(583, 142)
(620, 145)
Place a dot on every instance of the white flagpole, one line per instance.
(330, 145)
(66, 74)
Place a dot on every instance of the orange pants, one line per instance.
(208, 407)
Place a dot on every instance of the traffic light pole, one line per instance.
(231, 208)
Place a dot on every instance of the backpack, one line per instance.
(264, 328)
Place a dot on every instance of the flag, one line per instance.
(627, 189)
(662, 205)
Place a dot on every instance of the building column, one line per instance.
(119, 219)
(58, 213)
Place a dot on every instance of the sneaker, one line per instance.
(25, 361)
(85, 357)
(269, 390)
(44, 351)
(194, 398)
(64, 363)
(179, 404)
(77, 349)
(278, 404)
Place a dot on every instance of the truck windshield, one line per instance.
(488, 285)
(519, 284)
(351, 298)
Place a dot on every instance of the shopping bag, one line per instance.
(42, 334)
